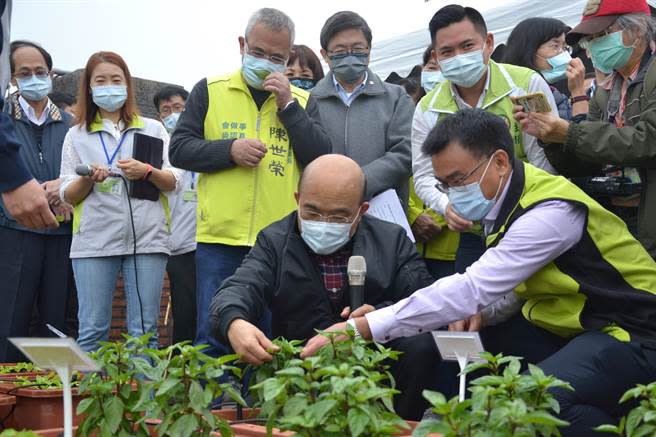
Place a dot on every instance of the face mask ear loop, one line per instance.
(486, 168)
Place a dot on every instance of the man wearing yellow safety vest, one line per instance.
(462, 47)
(589, 286)
(247, 135)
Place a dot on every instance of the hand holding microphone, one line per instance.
(94, 172)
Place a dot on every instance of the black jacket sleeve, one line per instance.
(308, 138)
(247, 293)
(189, 149)
(411, 274)
(13, 172)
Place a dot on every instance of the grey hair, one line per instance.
(273, 19)
(635, 25)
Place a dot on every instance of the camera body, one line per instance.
(608, 186)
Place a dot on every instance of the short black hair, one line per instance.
(527, 37)
(341, 21)
(477, 131)
(455, 14)
(167, 92)
(427, 56)
(15, 45)
(61, 99)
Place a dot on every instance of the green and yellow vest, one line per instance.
(444, 246)
(505, 80)
(236, 203)
(606, 282)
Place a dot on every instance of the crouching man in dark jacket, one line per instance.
(298, 269)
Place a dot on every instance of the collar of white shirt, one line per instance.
(464, 105)
(31, 113)
(348, 98)
(491, 216)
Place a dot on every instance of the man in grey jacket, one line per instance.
(366, 119)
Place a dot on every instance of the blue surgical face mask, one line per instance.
(466, 69)
(469, 201)
(302, 83)
(609, 53)
(255, 70)
(325, 238)
(170, 121)
(34, 88)
(429, 79)
(111, 98)
(559, 64)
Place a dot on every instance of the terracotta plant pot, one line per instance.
(53, 432)
(250, 430)
(40, 409)
(13, 375)
(230, 414)
(7, 402)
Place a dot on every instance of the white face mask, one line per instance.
(170, 121)
(466, 69)
(325, 238)
(429, 79)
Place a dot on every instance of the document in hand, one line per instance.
(387, 206)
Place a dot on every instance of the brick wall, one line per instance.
(119, 315)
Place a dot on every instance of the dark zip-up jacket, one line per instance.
(41, 150)
(280, 273)
(191, 151)
(598, 141)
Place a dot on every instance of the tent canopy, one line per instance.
(402, 53)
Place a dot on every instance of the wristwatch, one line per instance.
(351, 323)
(579, 99)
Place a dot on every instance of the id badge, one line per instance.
(110, 186)
(190, 196)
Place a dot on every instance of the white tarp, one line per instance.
(402, 53)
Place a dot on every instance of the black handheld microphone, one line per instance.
(357, 271)
(87, 170)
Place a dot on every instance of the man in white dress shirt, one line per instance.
(589, 285)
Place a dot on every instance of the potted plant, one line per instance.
(39, 401)
(185, 382)
(344, 390)
(144, 391)
(502, 403)
(641, 420)
(10, 371)
(117, 398)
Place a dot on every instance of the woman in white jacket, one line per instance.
(106, 219)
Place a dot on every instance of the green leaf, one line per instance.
(320, 409)
(85, 405)
(272, 388)
(113, 408)
(357, 421)
(608, 428)
(295, 406)
(197, 397)
(184, 426)
(166, 386)
(544, 418)
(291, 371)
(435, 398)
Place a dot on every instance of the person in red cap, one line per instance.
(618, 137)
